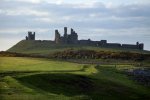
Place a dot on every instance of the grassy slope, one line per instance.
(32, 79)
(32, 64)
(46, 47)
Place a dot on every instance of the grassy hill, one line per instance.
(45, 79)
(47, 47)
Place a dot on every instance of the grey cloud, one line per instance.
(133, 11)
(97, 21)
(99, 16)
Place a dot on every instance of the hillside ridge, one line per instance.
(46, 47)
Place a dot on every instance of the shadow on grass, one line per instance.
(14, 73)
(73, 85)
(67, 84)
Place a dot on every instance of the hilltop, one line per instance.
(70, 41)
(47, 47)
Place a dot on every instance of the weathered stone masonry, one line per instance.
(72, 38)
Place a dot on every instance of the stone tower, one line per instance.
(141, 46)
(30, 36)
(65, 40)
(65, 31)
(57, 36)
(73, 37)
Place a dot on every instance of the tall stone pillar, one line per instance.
(57, 36)
(72, 31)
(65, 30)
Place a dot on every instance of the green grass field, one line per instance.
(45, 79)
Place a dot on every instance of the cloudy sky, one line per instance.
(118, 21)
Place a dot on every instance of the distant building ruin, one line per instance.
(30, 36)
(72, 38)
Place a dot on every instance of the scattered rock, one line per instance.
(142, 76)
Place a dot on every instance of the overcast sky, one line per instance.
(118, 21)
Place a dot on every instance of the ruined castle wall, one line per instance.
(84, 42)
(141, 46)
(30, 36)
(129, 46)
(73, 39)
(115, 45)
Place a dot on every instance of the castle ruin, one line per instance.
(30, 36)
(72, 38)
